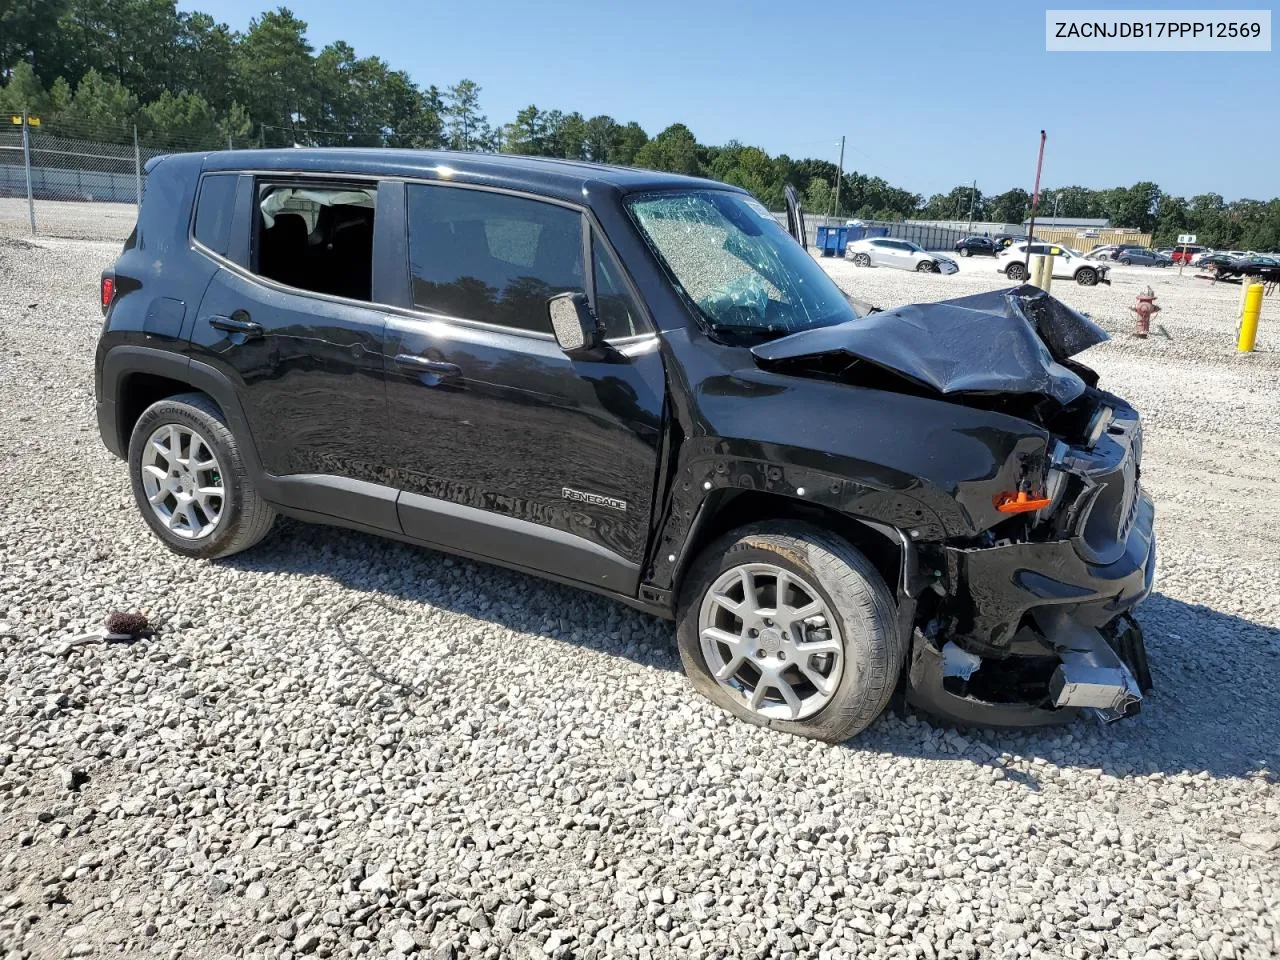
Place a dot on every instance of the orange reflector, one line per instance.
(1020, 502)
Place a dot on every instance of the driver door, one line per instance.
(895, 254)
(795, 216)
(505, 448)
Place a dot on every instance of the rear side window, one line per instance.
(492, 257)
(317, 237)
(214, 209)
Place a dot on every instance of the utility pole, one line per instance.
(839, 177)
(1035, 199)
(973, 193)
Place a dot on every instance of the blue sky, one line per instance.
(929, 94)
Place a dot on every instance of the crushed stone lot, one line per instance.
(340, 746)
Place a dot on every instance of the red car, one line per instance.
(1186, 252)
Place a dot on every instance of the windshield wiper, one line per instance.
(766, 331)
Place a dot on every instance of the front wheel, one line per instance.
(861, 260)
(926, 266)
(1087, 277)
(787, 626)
(189, 480)
(1016, 272)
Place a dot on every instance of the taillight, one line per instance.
(108, 290)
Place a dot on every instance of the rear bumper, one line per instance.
(108, 428)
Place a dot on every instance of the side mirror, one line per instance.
(576, 328)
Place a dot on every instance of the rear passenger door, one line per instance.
(505, 448)
(290, 320)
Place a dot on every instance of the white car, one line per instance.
(903, 254)
(1067, 264)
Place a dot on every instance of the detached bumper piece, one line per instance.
(1091, 673)
(1062, 668)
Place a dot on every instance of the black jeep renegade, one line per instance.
(638, 384)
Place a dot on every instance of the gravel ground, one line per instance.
(67, 220)
(342, 746)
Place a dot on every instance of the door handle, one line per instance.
(236, 325)
(440, 370)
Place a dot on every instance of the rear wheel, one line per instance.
(190, 483)
(1126, 261)
(1087, 277)
(787, 626)
(1016, 272)
(964, 252)
(861, 260)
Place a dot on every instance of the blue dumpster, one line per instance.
(832, 241)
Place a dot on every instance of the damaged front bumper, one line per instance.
(1038, 633)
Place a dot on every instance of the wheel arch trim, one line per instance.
(126, 360)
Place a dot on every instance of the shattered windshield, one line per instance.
(737, 264)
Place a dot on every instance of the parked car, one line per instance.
(903, 254)
(1213, 259)
(1103, 252)
(1067, 265)
(1142, 257)
(979, 246)
(1187, 252)
(638, 384)
(1166, 252)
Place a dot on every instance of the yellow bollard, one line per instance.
(1041, 271)
(1249, 318)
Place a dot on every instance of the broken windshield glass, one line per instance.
(737, 264)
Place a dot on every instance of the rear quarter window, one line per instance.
(214, 208)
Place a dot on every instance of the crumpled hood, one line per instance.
(1009, 341)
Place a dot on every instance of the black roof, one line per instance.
(546, 175)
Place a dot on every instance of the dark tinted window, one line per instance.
(614, 306)
(491, 257)
(213, 210)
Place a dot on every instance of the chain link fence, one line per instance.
(80, 181)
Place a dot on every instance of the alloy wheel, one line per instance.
(183, 481)
(769, 638)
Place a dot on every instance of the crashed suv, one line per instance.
(637, 384)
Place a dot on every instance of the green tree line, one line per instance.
(100, 68)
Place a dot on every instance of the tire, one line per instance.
(861, 609)
(1087, 277)
(1126, 261)
(964, 252)
(861, 260)
(1016, 272)
(243, 517)
(926, 266)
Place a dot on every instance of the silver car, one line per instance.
(903, 254)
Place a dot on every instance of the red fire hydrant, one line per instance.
(1145, 309)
